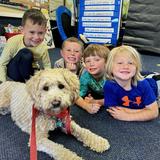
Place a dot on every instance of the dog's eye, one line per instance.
(60, 86)
(45, 88)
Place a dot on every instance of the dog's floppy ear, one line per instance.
(72, 81)
(33, 85)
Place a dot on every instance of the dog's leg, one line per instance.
(57, 151)
(93, 141)
(5, 97)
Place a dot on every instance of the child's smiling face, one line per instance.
(71, 52)
(33, 33)
(95, 65)
(124, 67)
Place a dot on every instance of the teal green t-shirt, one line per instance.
(89, 83)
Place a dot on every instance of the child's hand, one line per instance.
(93, 108)
(71, 66)
(119, 113)
(89, 98)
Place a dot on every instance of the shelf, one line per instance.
(7, 11)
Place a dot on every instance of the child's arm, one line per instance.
(89, 107)
(90, 99)
(148, 113)
(100, 101)
(7, 54)
(46, 60)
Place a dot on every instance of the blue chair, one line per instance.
(63, 18)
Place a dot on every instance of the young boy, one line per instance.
(127, 95)
(22, 52)
(92, 81)
(71, 53)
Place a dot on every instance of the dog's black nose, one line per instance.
(56, 104)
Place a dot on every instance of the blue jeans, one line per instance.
(20, 67)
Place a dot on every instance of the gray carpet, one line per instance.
(151, 62)
(128, 140)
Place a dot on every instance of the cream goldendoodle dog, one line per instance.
(50, 92)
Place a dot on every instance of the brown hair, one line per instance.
(96, 50)
(36, 16)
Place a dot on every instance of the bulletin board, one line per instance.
(99, 20)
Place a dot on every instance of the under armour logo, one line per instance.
(126, 101)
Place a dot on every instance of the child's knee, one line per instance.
(26, 54)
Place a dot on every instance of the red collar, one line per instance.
(61, 115)
(63, 120)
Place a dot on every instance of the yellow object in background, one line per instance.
(48, 37)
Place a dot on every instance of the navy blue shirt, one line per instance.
(137, 98)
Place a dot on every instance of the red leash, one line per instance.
(33, 145)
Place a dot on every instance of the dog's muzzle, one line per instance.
(56, 106)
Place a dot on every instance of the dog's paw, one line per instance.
(96, 143)
(89, 139)
(4, 111)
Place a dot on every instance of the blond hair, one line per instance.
(133, 53)
(73, 39)
(96, 50)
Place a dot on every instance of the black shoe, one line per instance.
(156, 77)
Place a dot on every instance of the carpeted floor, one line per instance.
(150, 61)
(128, 140)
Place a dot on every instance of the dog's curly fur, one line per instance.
(47, 89)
